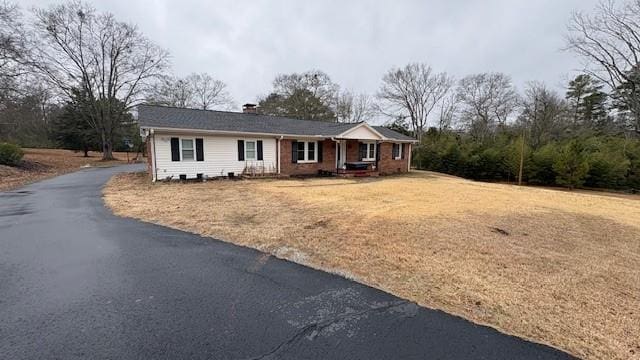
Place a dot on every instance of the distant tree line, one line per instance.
(71, 76)
(587, 138)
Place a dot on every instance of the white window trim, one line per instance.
(306, 152)
(193, 141)
(399, 151)
(255, 150)
(375, 151)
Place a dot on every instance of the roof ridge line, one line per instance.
(243, 113)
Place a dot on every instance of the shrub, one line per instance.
(571, 165)
(10, 154)
(608, 168)
(540, 171)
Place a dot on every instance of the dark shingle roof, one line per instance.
(152, 116)
(392, 134)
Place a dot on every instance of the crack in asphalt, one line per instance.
(317, 327)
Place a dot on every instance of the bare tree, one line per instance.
(413, 92)
(199, 91)
(171, 91)
(352, 108)
(13, 46)
(77, 48)
(545, 115)
(448, 111)
(208, 92)
(609, 41)
(486, 100)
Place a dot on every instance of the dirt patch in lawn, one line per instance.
(39, 164)
(560, 268)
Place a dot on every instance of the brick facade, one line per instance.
(353, 150)
(386, 164)
(295, 169)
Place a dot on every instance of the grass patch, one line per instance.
(556, 267)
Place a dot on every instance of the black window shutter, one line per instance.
(294, 151)
(363, 151)
(199, 150)
(404, 148)
(394, 148)
(259, 145)
(240, 150)
(377, 145)
(320, 151)
(175, 149)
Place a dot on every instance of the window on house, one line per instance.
(187, 149)
(301, 152)
(370, 151)
(397, 151)
(311, 151)
(306, 151)
(250, 150)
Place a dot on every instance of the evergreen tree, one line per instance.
(571, 164)
(71, 129)
(627, 102)
(587, 102)
(301, 104)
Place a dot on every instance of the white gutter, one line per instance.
(409, 158)
(230, 133)
(154, 174)
(279, 151)
(282, 136)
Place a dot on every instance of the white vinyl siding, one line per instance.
(220, 156)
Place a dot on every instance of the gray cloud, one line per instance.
(247, 43)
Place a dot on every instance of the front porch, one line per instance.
(362, 152)
(356, 173)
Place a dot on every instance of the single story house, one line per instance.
(189, 143)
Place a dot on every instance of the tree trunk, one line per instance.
(107, 149)
(86, 151)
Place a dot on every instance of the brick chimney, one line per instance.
(250, 108)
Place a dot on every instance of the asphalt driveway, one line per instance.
(78, 282)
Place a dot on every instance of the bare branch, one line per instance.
(112, 62)
(413, 92)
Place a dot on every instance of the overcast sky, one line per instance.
(246, 43)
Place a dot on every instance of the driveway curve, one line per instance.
(77, 282)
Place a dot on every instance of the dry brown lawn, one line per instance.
(561, 268)
(39, 164)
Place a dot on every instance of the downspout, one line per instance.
(409, 158)
(278, 151)
(336, 152)
(153, 158)
(336, 155)
(378, 155)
